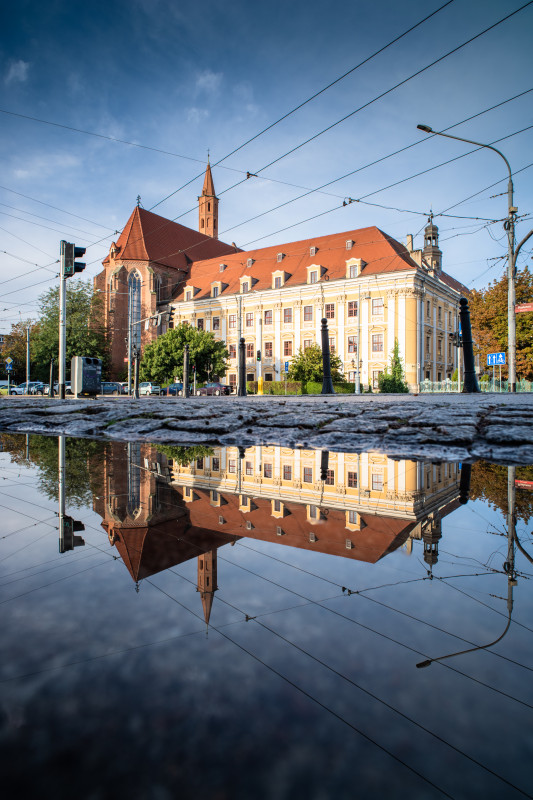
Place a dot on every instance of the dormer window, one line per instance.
(354, 267)
(222, 267)
(313, 276)
(349, 244)
(313, 251)
(245, 285)
(188, 294)
(217, 288)
(214, 291)
(279, 257)
(279, 279)
(250, 262)
(315, 273)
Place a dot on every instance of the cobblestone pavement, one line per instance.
(496, 427)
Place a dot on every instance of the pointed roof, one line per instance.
(149, 237)
(207, 604)
(209, 186)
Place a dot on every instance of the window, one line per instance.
(308, 475)
(134, 306)
(249, 262)
(244, 286)
(377, 307)
(249, 468)
(287, 315)
(313, 513)
(449, 319)
(287, 348)
(215, 464)
(233, 381)
(267, 470)
(428, 308)
(232, 350)
(439, 347)
(216, 323)
(279, 258)
(214, 497)
(352, 480)
(232, 321)
(313, 251)
(308, 313)
(249, 320)
(352, 517)
(250, 350)
(307, 344)
(330, 477)
(277, 505)
(377, 482)
(352, 308)
(214, 292)
(199, 463)
(375, 378)
(332, 344)
(277, 282)
(352, 271)
(313, 276)
(287, 472)
(349, 244)
(200, 324)
(268, 349)
(330, 310)
(377, 342)
(428, 345)
(268, 317)
(439, 314)
(232, 465)
(352, 344)
(268, 376)
(250, 377)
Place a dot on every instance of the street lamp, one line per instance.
(511, 260)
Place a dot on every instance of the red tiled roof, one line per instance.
(149, 237)
(380, 252)
(453, 284)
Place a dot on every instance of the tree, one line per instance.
(488, 311)
(15, 346)
(85, 335)
(307, 365)
(162, 360)
(393, 379)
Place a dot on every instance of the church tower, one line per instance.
(431, 253)
(207, 581)
(208, 206)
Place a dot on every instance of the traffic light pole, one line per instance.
(62, 323)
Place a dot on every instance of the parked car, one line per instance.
(46, 388)
(22, 388)
(124, 386)
(34, 387)
(111, 387)
(175, 389)
(147, 388)
(214, 388)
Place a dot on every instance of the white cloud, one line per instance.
(196, 115)
(44, 166)
(208, 81)
(17, 72)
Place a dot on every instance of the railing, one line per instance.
(484, 385)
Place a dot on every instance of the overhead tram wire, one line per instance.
(309, 99)
(56, 208)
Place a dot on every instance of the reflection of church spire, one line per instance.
(207, 581)
(430, 535)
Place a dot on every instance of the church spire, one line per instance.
(208, 206)
(207, 581)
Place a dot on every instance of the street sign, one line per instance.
(523, 307)
(286, 366)
(495, 359)
(9, 360)
(9, 367)
(523, 484)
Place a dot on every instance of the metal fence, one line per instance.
(450, 386)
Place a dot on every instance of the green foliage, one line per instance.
(307, 365)
(85, 335)
(489, 482)
(163, 359)
(488, 313)
(15, 346)
(392, 381)
(275, 387)
(315, 387)
(184, 455)
(455, 375)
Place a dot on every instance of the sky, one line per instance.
(176, 80)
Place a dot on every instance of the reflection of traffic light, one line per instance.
(68, 527)
(70, 253)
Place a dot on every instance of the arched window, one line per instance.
(134, 307)
(134, 479)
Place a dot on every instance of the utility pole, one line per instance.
(357, 357)
(27, 359)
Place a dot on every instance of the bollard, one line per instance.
(242, 369)
(186, 371)
(464, 483)
(327, 383)
(470, 379)
(260, 385)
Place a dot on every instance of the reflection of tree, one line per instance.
(83, 457)
(489, 482)
(184, 455)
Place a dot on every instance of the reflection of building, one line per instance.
(372, 290)
(159, 513)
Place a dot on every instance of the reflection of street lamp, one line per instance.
(512, 254)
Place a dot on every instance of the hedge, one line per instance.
(275, 387)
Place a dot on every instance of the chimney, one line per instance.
(410, 242)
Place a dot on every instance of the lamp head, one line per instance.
(425, 128)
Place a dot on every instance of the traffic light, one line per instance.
(259, 355)
(70, 253)
(67, 540)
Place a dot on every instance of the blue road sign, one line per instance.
(495, 359)
(286, 366)
(9, 367)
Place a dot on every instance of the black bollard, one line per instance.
(470, 379)
(327, 383)
(242, 369)
(464, 483)
(135, 373)
(51, 378)
(324, 464)
(186, 371)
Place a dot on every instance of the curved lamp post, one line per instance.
(511, 261)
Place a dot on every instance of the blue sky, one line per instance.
(187, 77)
